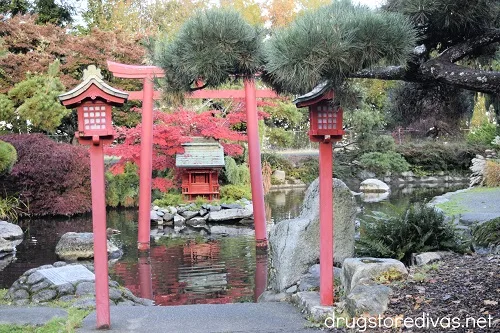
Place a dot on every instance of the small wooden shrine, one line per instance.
(200, 165)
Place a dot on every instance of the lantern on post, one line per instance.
(93, 99)
(325, 115)
(325, 118)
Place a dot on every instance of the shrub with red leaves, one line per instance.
(52, 178)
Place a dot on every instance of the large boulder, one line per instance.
(294, 244)
(80, 246)
(370, 300)
(10, 231)
(229, 215)
(370, 270)
(69, 283)
(373, 185)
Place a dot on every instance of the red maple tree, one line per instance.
(171, 130)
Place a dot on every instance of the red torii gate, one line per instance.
(147, 95)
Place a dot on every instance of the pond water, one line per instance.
(184, 271)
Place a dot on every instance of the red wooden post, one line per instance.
(147, 74)
(259, 210)
(146, 166)
(145, 277)
(260, 272)
(93, 99)
(100, 239)
(325, 119)
(326, 223)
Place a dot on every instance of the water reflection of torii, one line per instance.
(147, 95)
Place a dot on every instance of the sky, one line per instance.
(369, 3)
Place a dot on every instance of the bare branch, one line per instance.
(460, 51)
(383, 73)
(467, 78)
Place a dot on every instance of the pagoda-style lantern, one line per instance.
(93, 99)
(325, 118)
(325, 115)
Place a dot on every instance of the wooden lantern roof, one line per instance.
(201, 153)
(93, 87)
(321, 92)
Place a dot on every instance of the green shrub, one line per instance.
(277, 162)
(483, 135)
(488, 233)
(418, 228)
(231, 192)
(8, 157)
(169, 199)
(123, 189)
(10, 208)
(380, 163)
(279, 137)
(437, 156)
(236, 174)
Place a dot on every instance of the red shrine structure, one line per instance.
(200, 164)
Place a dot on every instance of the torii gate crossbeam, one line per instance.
(148, 95)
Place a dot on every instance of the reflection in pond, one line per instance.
(185, 271)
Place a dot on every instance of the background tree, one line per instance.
(214, 46)
(334, 42)
(448, 33)
(29, 47)
(48, 11)
(14, 7)
(32, 105)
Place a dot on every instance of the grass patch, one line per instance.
(455, 206)
(56, 325)
(452, 207)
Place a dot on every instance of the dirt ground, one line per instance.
(461, 293)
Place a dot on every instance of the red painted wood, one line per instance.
(93, 93)
(146, 166)
(250, 95)
(134, 71)
(145, 276)
(100, 238)
(208, 188)
(259, 212)
(326, 223)
(222, 94)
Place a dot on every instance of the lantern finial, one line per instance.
(92, 71)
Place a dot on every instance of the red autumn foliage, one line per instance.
(52, 178)
(31, 48)
(171, 130)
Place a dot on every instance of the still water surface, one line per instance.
(183, 271)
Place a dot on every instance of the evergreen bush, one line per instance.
(381, 163)
(418, 228)
(123, 189)
(169, 199)
(437, 156)
(488, 233)
(50, 178)
(236, 174)
(8, 157)
(483, 135)
(231, 192)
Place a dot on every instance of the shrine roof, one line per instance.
(201, 153)
(92, 76)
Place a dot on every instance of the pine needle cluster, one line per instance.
(332, 42)
(212, 46)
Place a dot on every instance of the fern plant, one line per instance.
(418, 228)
